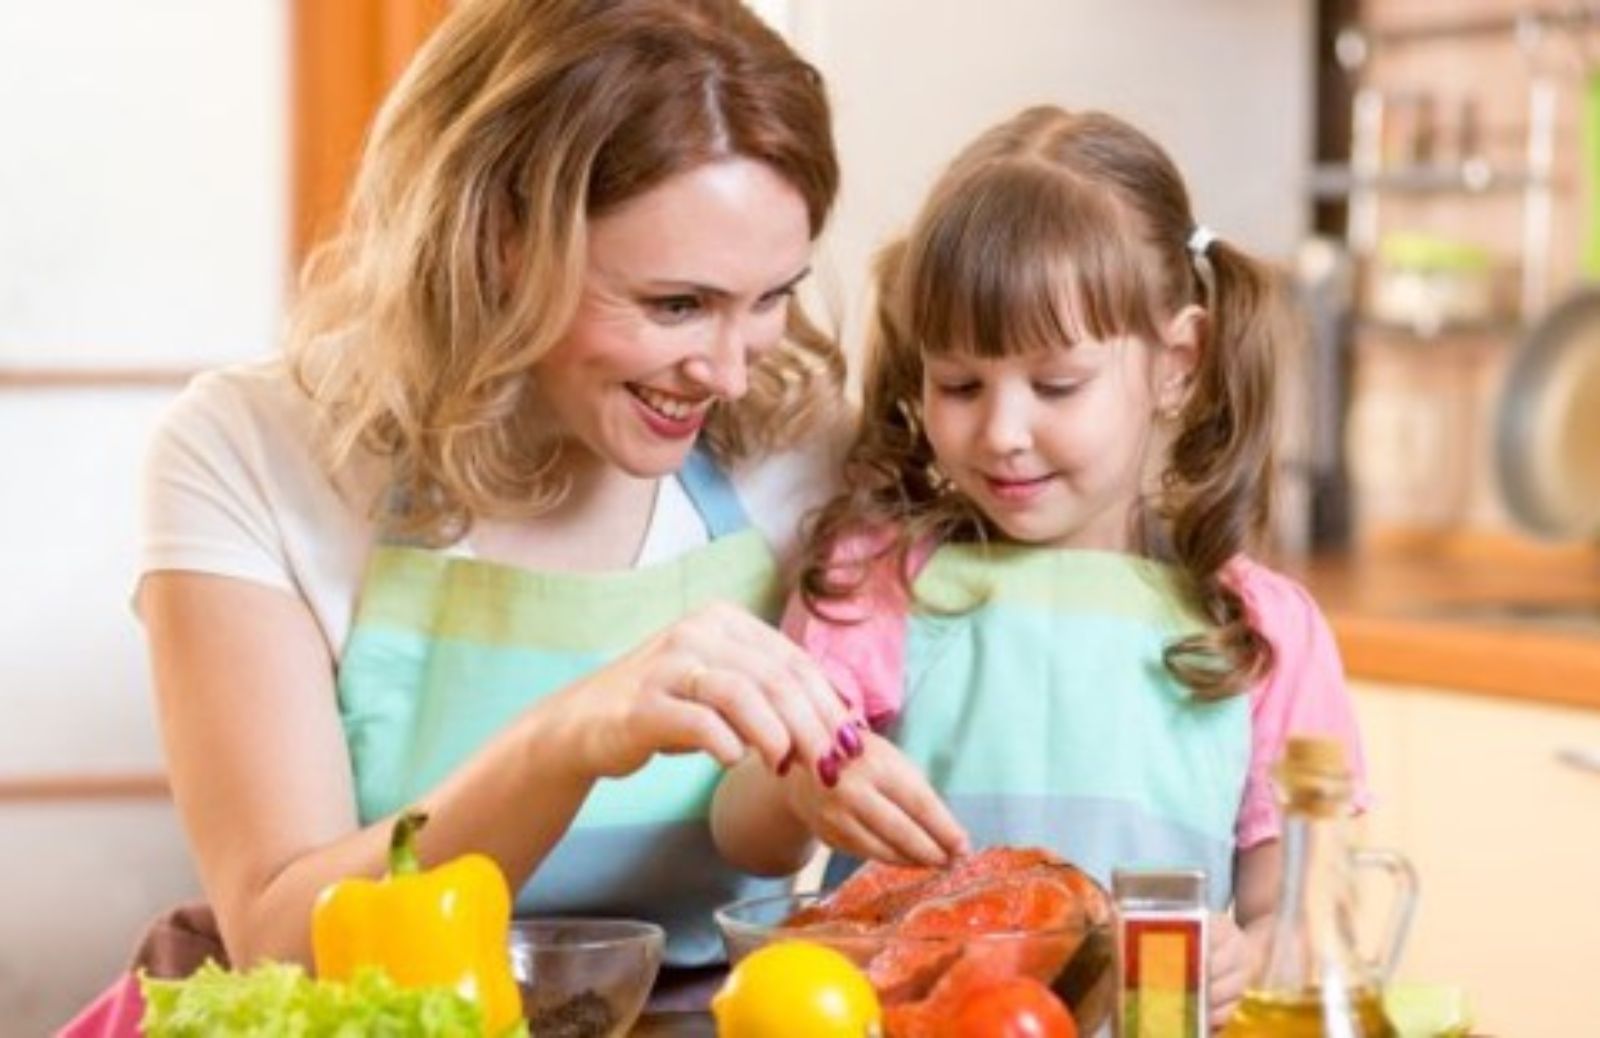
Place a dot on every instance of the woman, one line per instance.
(501, 538)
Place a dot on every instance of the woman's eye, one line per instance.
(674, 309)
(774, 300)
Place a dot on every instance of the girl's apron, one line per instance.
(446, 651)
(1038, 704)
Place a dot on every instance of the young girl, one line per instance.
(1034, 582)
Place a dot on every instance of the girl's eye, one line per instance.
(674, 309)
(1056, 390)
(958, 390)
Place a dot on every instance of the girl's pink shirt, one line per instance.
(860, 645)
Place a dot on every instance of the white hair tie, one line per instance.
(1201, 240)
(1199, 245)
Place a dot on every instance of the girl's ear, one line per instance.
(1182, 340)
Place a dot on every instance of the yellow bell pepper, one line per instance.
(444, 927)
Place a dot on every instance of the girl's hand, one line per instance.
(718, 681)
(882, 809)
(1232, 963)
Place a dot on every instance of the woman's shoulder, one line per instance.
(254, 424)
(257, 401)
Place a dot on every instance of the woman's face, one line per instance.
(684, 286)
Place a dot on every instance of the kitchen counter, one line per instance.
(1492, 616)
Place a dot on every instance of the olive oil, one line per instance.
(1266, 1015)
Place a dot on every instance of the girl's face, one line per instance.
(684, 286)
(1055, 446)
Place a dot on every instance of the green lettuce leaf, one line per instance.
(280, 1000)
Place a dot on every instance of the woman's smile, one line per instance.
(669, 415)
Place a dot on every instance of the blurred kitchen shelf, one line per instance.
(1506, 330)
(1518, 26)
(1336, 180)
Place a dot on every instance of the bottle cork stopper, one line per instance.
(1313, 757)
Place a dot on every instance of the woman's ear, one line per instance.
(1182, 340)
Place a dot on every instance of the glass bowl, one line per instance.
(1075, 961)
(587, 978)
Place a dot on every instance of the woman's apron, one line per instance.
(446, 651)
(1038, 704)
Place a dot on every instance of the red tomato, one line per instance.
(1020, 1007)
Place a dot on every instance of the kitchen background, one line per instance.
(1424, 178)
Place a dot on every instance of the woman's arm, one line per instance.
(261, 775)
(257, 760)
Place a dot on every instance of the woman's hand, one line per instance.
(882, 809)
(718, 681)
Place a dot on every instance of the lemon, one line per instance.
(796, 989)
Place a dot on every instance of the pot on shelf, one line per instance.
(1547, 434)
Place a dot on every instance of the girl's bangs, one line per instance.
(1020, 258)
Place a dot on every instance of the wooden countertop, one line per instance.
(1491, 615)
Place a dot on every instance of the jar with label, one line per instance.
(1162, 921)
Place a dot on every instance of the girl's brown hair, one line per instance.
(518, 121)
(1051, 228)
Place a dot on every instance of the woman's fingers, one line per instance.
(681, 726)
(925, 811)
(888, 823)
(748, 671)
(741, 707)
(848, 834)
(886, 802)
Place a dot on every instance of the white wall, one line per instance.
(142, 215)
(143, 220)
(1224, 85)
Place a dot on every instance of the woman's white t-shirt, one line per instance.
(237, 484)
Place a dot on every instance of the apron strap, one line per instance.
(712, 494)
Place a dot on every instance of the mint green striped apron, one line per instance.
(445, 651)
(1037, 702)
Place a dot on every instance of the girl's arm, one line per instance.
(882, 808)
(753, 826)
(261, 776)
(1239, 942)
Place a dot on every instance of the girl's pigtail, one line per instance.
(1219, 476)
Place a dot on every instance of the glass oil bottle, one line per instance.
(1315, 981)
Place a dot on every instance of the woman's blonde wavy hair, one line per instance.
(1049, 228)
(519, 121)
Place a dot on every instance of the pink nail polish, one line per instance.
(850, 741)
(828, 770)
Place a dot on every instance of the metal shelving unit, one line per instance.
(1366, 179)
